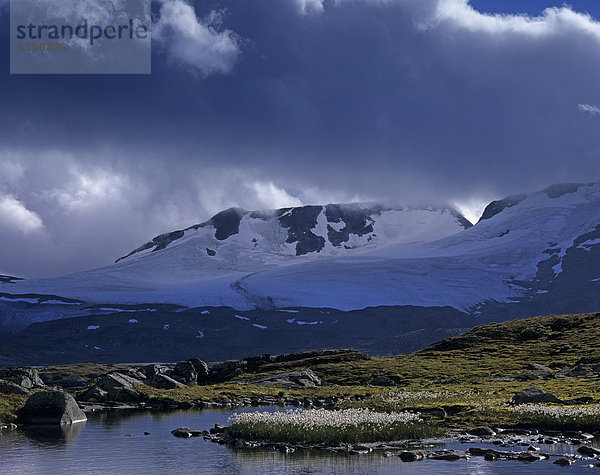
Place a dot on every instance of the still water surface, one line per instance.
(114, 442)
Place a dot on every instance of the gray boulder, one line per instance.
(6, 387)
(483, 431)
(579, 371)
(52, 407)
(382, 381)
(201, 369)
(116, 387)
(412, 455)
(226, 370)
(186, 432)
(588, 451)
(534, 395)
(162, 381)
(301, 378)
(25, 377)
(537, 367)
(152, 370)
(186, 373)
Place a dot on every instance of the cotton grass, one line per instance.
(326, 426)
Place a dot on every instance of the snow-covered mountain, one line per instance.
(208, 263)
(534, 253)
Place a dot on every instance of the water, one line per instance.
(114, 442)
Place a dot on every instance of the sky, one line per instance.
(271, 103)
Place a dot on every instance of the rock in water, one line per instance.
(482, 432)
(52, 407)
(534, 395)
(588, 451)
(412, 455)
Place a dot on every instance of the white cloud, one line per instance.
(589, 109)
(15, 214)
(10, 172)
(91, 188)
(271, 196)
(309, 6)
(194, 43)
(551, 22)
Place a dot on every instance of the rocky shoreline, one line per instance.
(412, 451)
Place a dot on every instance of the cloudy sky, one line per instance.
(268, 103)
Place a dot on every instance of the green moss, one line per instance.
(463, 367)
(10, 405)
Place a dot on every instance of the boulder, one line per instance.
(382, 381)
(6, 387)
(412, 455)
(301, 378)
(579, 371)
(588, 451)
(115, 386)
(564, 461)
(186, 432)
(449, 455)
(201, 369)
(537, 367)
(482, 432)
(152, 370)
(71, 383)
(186, 373)
(25, 377)
(52, 407)
(559, 365)
(162, 381)
(535, 395)
(226, 370)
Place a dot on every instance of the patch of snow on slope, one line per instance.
(19, 299)
(93, 327)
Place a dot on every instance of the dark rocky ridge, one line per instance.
(298, 222)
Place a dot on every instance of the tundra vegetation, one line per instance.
(465, 381)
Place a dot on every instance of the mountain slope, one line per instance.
(207, 264)
(536, 253)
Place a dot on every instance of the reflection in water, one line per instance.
(114, 442)
(52, 436)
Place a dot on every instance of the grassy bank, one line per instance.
(463, 381)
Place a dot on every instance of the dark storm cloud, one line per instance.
(267, 103)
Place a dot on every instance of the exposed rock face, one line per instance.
(302, 378)
(201, 369)
(6, 387)
(226, 370)
(534, 395)
(113, 387)
(186, 373)
(25, 377)
(52, 407)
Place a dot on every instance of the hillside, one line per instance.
(471, 375)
